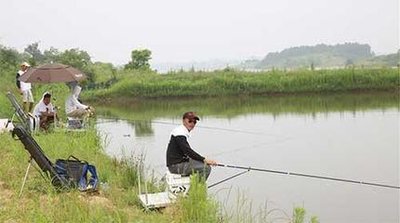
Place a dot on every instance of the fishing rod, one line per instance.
(308, 175)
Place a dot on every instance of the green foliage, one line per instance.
(197, 207)
(139, 60)
(75, 57)
(390, 60)
(35, 55)
(103, 71)
(299, 215)
(218, 83)
(314, 219)
(79, 59)
(9, 59)
(51, 55)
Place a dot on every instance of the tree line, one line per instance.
(96, 72)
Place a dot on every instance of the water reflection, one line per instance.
(141, 113)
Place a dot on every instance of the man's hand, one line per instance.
(210, 162)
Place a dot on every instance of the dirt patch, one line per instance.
(5, 194)
(98, 200)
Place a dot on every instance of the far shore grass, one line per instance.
(231, 82)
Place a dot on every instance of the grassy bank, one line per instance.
(116, 203)
(229, 82)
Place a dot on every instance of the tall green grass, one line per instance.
(230, 82)
(198, 206)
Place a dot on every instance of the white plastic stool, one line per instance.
(177, 184)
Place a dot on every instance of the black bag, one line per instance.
(76, 172)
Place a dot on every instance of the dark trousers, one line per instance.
(192, 166)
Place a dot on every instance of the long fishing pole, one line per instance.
(309, 175)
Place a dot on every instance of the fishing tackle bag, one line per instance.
(79, 173)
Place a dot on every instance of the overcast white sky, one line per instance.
(188, 30)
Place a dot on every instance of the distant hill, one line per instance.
(322, 56)
(390, 60)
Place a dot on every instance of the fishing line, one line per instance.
(173, 123)
(310, 176)
(228, 178)
(255, 146)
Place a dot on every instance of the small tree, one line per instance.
(9, 58)
(51, 55)
(140, 60)
(75, 57)
(79, 59)
(35, 55)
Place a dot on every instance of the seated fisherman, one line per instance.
(45, 111)
(181, 158)
(74, 108)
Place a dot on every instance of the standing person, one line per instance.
(25, 89)
(74, 108)
(45, 111)
(181, 158)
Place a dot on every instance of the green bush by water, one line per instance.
(198, 207)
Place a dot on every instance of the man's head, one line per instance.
(46, 98)
(25, 66)
(189, 120)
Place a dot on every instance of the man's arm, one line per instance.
(187, 150)
(79, 105)
(17, 82)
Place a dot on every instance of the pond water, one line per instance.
(345, 136)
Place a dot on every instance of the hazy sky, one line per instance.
(187, 30)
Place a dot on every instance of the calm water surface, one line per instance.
(352, 137)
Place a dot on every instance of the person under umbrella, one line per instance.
(74, 108)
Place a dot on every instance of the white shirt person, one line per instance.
(45, 111)
(25, 88)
